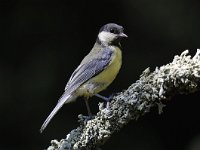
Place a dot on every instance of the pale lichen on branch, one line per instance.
(181, 76)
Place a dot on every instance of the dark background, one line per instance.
(42, 42)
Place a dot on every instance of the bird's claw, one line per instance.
(87, 118)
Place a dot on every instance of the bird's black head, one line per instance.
(111, 34)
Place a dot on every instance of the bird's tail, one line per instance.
(65, 98)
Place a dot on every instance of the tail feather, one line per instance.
(64, 98)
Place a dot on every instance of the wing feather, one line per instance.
(87, 70)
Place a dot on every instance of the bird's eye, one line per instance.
(112, 31)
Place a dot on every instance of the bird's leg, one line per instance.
(107, 99)
(88, 108)
(103, 97)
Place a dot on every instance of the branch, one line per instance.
(181, 76)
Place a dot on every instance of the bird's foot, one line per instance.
(87, 118)
(107, 99)
(84, 119)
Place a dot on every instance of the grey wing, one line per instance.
(86, 71)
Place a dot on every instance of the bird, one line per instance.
(96, 71)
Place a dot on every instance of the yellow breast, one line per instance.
(106, 77)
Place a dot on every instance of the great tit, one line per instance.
(96, 71)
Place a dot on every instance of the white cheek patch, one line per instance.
(106, 37)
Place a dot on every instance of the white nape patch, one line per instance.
(106, 37)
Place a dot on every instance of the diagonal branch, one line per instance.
(181, 76)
